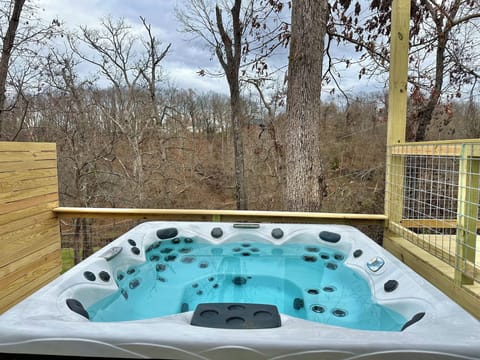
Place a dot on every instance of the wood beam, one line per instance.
(398, 73)
(467, 216)
(397, 107)
(447, 148)
(220, 215)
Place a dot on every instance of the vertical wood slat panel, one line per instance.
(29, 232)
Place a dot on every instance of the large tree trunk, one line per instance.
(305, 182)
(8, 43)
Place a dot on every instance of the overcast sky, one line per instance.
(185, 57)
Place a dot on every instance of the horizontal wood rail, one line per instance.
(436, 148)
(432, 223)
(221, 215)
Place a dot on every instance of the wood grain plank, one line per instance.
(35, 269)
(398, 80)
(23, 242)
(15, 215)
(23, 262)
(29, 230)
(467, 215)
(28, 203)
(16, 186)
(18, 156)
(450, 148)
(27, 165)
(11, 224)
(427, 150)
(21, 175)
(27, 289)
(27, 193)
(21, 146)
(221, 215)
(430, 223)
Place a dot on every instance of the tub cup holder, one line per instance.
(375, 264)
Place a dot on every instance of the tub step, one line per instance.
(236, 316)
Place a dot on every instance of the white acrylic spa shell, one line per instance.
(43, 324)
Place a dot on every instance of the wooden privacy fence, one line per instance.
(29, 233)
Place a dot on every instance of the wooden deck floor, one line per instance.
(437, 271)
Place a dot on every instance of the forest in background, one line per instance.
(187, 160)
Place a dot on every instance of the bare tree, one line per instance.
(305, 185)
(24, 37)
(272, 127)
(444, 56)
(453, 55)
(151, 66)
(472, 117)
(227, 43)
(7, 47)
(233, 38)
(113, 51)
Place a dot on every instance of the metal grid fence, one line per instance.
(81, 237)
(433, 200)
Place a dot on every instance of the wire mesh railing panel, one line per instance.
(430, 190)
(432, 200)
(81, 237)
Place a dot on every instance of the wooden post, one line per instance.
(397, 108)
(467, 214)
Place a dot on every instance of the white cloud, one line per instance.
(185, 57)
(74, 13)
(187, 78)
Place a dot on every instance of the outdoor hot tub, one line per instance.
(200, 290)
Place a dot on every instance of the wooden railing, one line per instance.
(432, 200)
(221, 215)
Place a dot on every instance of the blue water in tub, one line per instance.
(304, 281)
